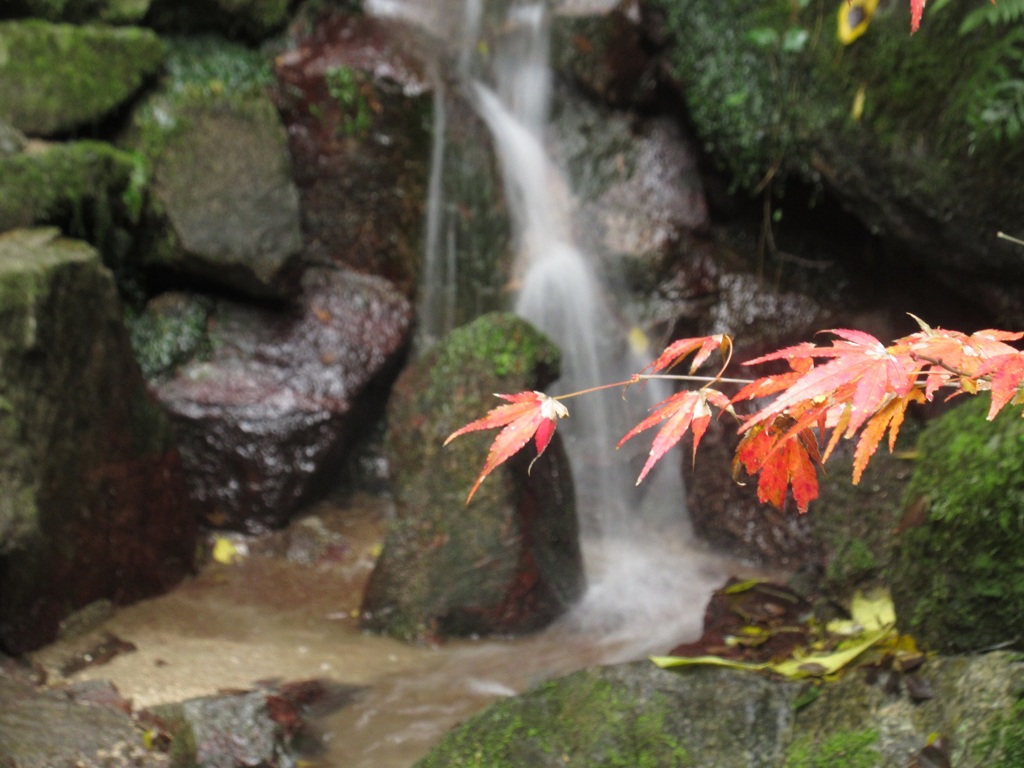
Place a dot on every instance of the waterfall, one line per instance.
(643, 576)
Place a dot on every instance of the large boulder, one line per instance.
(94, 503)
(638, 715)
(226, 210)
(272, 398)
(357, 109)
(58, 78)
(914, 135)
(507, 562)
(956, 577)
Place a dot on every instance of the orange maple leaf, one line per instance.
(780, 458)
(889, 417)
(686, 410)
(528, 415)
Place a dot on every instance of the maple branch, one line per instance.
(951, 368)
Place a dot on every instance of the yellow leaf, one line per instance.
(225, 551)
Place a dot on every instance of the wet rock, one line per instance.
(919, 151)
(281, 394)
(226, 210)
(356, 106)
(956, 574)
(509, 561)
(606, 54)
(57, 78)
(86, 725)
(94, 496)
(637, 185)
(270, 727)
(726, 515)
(637, 714)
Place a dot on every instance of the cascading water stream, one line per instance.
(641, 570)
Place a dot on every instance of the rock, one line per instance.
(356, 106)
(630, 714)
(58, 78)
(221, 173)
(79, 185)
(94, 496)
(636, 714)
(606, 54)
(265, 414)
(726, 515)
(918, 150)
(251, 20)
(636, 182)
(86, 725)
(956, 575)
(508, 562)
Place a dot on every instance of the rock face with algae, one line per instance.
(507, 562)
(93, 503)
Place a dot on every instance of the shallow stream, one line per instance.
(279, 614)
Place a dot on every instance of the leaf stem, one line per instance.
(638, 377)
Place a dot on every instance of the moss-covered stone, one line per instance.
(958, 578)
(171, 331)
(79, 11)
(892, 124)
(225, 208)
(93, 489)
(56, 78)
(510, 560)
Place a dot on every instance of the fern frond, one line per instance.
(993, 14)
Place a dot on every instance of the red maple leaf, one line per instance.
(686, 410)
(862, 373)
(704, 345)
(780, 458)
(529, 414)
(916, 10)
(1006, 374)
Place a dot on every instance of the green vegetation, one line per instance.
(348, 88)
(958, 576)
(850, 749)
(583, 721)
(162, 340)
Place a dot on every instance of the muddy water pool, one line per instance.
(288, 611)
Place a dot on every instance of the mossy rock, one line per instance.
(509, 561)
(58, 78)
(958, 577)
(224, 208)
(909, 143)
(628, 716)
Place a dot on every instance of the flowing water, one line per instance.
(272, 617)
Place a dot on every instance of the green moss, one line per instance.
(163, 340)
(56, 77)
(1004, 746)
(850, 749)
(583, 720)
(958, 579)
(347, 87)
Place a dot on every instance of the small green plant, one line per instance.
(348, 89)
